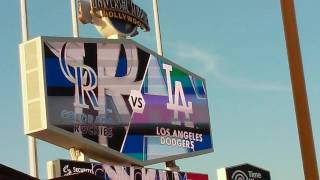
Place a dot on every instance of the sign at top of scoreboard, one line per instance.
(113, 16)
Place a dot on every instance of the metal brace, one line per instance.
(172, 166)
(77, 155)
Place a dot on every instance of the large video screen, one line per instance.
(123, 96)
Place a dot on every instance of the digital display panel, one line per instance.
(121, 96)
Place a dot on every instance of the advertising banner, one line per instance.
(243, 172)
(62, 168)
(115, 96)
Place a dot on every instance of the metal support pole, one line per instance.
(24, 20)
(32, 144)
(299, 91)
(157, 27)
(170, 165)
(75, 26)
(76, 154)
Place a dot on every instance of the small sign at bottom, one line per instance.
(61, 168)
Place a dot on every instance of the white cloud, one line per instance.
(207, 65)
(244, 83)
(196, 58)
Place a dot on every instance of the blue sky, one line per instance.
(237, 46)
